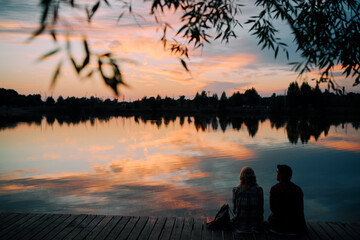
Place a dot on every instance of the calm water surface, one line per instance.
(177, 168)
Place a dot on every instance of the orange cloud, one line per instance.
(97, 148)
(199, 143)
(341, 145)
(51, 156)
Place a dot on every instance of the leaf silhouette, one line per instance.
(120, 16)
(45, 11)
(107, 3)
(116, 78)
(56, 75)
(36, 33)
(53, 34)
(50, 53)
(95, 7)
(77, 69)
(91, 13)
(87, 52)
(184, 64)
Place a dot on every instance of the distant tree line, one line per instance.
(302, 98)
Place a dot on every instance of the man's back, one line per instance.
(286, 204)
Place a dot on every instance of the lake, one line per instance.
(180, 166)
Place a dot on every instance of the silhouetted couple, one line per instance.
(286, 204)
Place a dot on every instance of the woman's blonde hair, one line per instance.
(247, 177)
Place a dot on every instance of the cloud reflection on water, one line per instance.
(122, 167)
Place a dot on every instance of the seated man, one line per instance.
(286, 204)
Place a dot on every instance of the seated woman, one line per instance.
(248, 200)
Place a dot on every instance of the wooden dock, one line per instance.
(65, 226)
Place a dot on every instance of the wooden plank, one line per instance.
(81, 226)
(207, 233)
(339, 231)
(310, 234)
(319, 231)
(51, 235)
(178, 226)
(156, 231)
(7, 218)
(51, 226)
(145, 234)
(11, 221)
(355, 227)
(135, 233)
(31, 226)
(37, 227)
(197, 230)
(330, 231)
(110, 226)
(10, 230)
(187, 229)
(168, 228)
(348, 230)
(70, 227)
(3, 215)
(128, 228)
(118, 228)
(93, 234)
(23, 227)
(46, 226)
(87, 229)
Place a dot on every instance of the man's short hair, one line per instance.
(285, 172)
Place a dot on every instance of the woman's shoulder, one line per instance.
(237, 189)
(257, 188)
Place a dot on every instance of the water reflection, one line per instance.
(297, 128)
(150, 165)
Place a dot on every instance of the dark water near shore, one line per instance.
(174, 167)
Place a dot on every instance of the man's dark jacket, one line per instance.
(287, 206)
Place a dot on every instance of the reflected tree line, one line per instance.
(298, 129)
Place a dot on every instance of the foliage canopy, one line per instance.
(326, 33)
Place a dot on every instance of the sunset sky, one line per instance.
(148, 68)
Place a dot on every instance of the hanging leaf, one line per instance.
(120, 16)
(56, 75)
(108, 81)
(45, 11)
(50, 53)
(87, 52)
(357, 82)
(36, 33)
(95, 7)
(108, 54)
(91, 13)
(77, 69)
(90, 74)
(55, 13)
(107, 3)
(219, 35)
(184, 64)
(53, 34)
